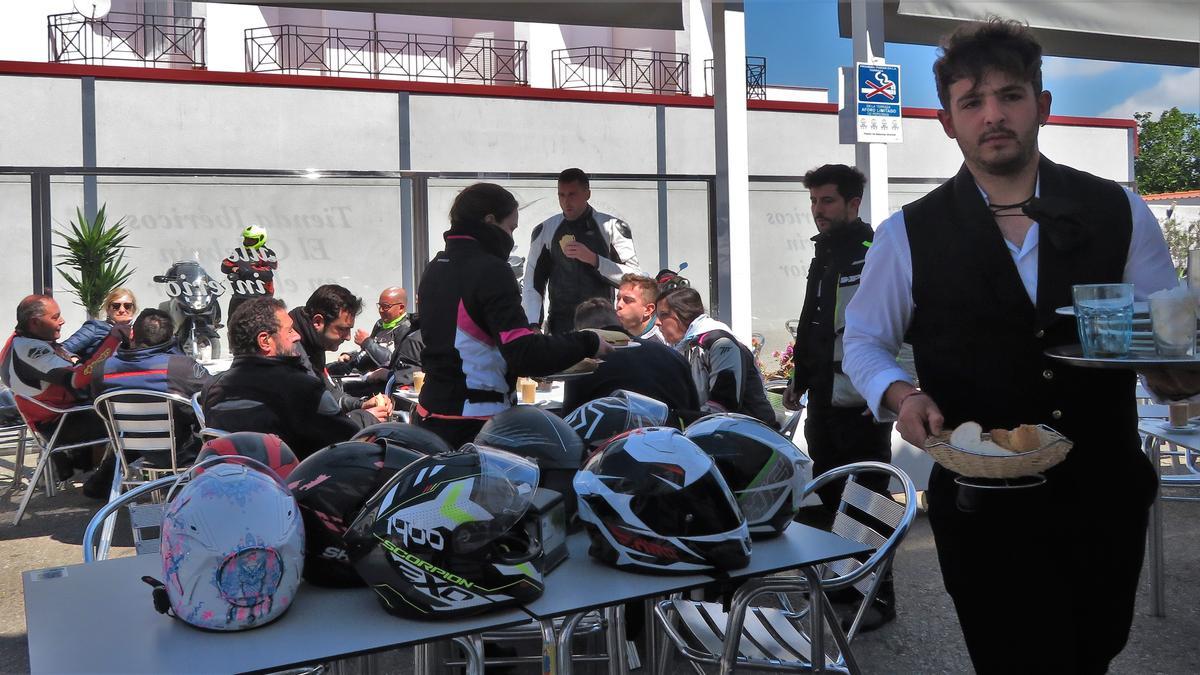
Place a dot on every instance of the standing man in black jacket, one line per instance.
(839, 428)
(324, 323)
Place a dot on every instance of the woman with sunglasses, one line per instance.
(120, 308)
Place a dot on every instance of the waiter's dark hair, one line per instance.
(476, 201)
(974, 49)
(849, 180)
(574, 175)
(684, 303)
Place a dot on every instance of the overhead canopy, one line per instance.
(665, 14)
(1162, 32)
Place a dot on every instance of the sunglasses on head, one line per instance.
(114, 306)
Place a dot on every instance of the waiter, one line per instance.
(1043, 579)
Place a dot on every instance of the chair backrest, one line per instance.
(145, 504)
(895, 516)
(141, 420)
(198, 408)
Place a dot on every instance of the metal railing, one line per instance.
(149, 39)
(356, 52)
(614, 69)
(756, 77)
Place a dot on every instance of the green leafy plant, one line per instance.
(94, 260)
(1181, 238)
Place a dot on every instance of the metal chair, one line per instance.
(139, 420)
(46, 448)
(145, 506)
(774, 637)
(565, 629)
(17, 434)
(198, 408)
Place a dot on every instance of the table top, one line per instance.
(99, 618)
(798, 546)
(1184, 439)
(548, 399)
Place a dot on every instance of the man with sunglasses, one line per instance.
(380, 347)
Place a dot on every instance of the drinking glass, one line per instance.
(1173, 320)
(1104, 318)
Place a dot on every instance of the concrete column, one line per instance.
(732, 252)
(867, 23)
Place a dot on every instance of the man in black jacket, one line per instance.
(839, 428)
(268, 389)
(646, 366)
(324, 323)
(393, 347)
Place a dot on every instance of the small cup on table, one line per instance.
(418, 378)
(528, 389)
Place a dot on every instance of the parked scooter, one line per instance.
(194, 308)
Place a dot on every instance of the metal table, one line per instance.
(1152, 432)
(106, 611)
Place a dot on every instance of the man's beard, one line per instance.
(1007, 165)
(285, 349)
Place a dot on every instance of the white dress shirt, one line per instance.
(879, 314)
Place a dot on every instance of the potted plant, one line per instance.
(94, 259)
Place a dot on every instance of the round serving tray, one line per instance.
(1137, 359)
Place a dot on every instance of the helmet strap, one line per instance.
(162, 601)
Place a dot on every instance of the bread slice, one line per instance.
(615, 337)
(566, 239)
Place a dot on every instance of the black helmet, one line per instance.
(534, 433)
(599, 420)
(331, 486)
(766, 472)
(407, 435)
(447, 535)
(653, 500)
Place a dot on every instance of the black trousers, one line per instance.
(840, 436)
(1043, 579)
(456, 432)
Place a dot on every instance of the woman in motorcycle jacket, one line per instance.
(477, 339)
(120, 308)
(726, 375)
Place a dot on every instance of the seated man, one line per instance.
(155, 362)
(324, 323)
(650, 368)
(268, 389)
(33, 364)
(388, 349)
(636, 307)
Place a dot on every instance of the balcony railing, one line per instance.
(148, 39)
(756, 77)
(352, 52)
(613, 69)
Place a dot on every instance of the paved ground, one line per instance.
(925, 638)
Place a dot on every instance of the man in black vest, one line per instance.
(839, 428)
(1043, 579)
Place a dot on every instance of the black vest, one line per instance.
(978, 341)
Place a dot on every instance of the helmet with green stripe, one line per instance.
(765, 471)
(448, 536)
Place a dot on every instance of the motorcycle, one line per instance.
(194, 308)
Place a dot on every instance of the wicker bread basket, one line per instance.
(1053, 449)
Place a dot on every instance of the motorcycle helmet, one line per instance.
(599, 420)
(653, 500)
(765, 471)
(539, 435)
(406, 435)
(267, 449)
(232, 546)
(254, 236)
(447, 536)
(331, 486)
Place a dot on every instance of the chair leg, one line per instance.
(110, 523)
(19, 464)
(43, 460)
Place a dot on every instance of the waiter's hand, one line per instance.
(917, 416)
(1172, 383)
(603, 350)
(791, 399)
(581, 253)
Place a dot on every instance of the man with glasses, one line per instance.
(324, 323)
(269, 389)
(386, 341)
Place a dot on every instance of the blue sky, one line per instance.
(801, 43)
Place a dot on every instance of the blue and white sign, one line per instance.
(878, 103)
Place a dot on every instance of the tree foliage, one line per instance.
(1168, 152)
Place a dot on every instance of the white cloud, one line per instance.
(1172, 90)
(1056, 68)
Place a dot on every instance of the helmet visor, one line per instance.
(643, 410)
(504, 488)
(702, 508)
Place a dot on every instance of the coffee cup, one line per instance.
(418, 378)
(528, 390)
